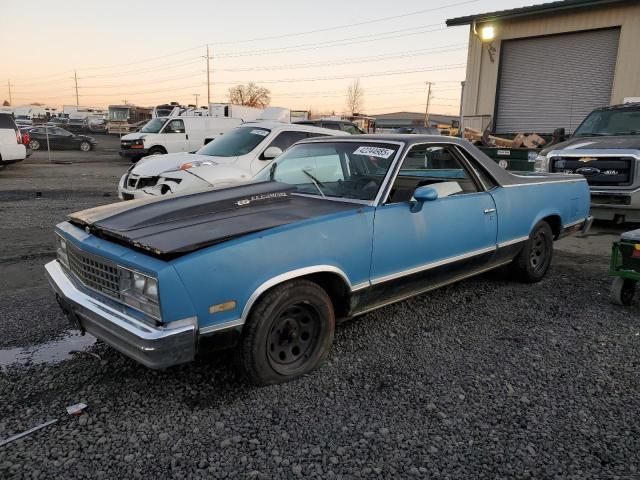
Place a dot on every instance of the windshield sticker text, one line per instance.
(374, 152)
(262, 133)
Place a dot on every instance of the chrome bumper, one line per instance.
(154, 347)
(580, 227)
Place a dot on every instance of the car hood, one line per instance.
(156, 164)
(605, 142)
(179, 224)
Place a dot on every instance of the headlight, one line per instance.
(196, 163)
(542, 164)
(140, 291)
(61, 251)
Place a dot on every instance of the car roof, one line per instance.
(622, 106)
(272, 125)
(406, 138)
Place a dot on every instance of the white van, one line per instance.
(11, 147)
(173, 135)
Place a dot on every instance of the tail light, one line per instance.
(25, 138)
(19, 136)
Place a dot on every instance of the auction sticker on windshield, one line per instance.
(263, 133)
(374, 152)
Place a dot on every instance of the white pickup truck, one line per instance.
(235, 157)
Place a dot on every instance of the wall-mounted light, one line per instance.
(487, 33)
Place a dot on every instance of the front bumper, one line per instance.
(133, 152)
(612, 204)
(154, 347)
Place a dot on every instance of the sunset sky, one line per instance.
(306, 53)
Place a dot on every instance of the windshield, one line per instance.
(610, 122)
(334, 169)
(238, 141)
(118, 114)
(154, 126)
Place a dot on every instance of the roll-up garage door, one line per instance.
(554, 81)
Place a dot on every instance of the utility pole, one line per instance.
(426, 112)
(10, 98)
(196, 95)
(208, 57)
(75, 79)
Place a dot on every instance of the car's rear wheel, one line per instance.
(533, 262)
(85, 146)
(34, 145)
(287, 334)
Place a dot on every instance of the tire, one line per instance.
(157, 151)
(85, 146)
(622, 291)
(34, 145)
(533, 262)
(288, 333)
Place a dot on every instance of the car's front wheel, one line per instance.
(34, 145)
(85, 146)
(288, 333)
(534, 260)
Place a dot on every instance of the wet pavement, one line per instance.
(55, 351)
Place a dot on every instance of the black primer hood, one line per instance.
(180, 224)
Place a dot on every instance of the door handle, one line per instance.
(489, 211)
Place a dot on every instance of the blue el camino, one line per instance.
(332, 229)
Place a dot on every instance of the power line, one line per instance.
(357, 24)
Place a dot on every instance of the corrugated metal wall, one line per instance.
(555, 81)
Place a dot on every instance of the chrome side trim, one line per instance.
(221, 326)
(428, 266)
(433, 287)
(337, 199)
(513, 241)
(360, 286)
(300, 272)
(573, 224)
(582, 179)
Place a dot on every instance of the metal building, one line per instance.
(542, 67)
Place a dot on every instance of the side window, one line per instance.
(175, 126)
(485, 178)
(331, 125)
(316, 134)
(286, 138)
(434, 165)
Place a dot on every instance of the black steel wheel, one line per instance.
(287, 334)
(622, 291)
(534, 260)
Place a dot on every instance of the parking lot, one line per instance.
(483, 379)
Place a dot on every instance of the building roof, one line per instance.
(545, 8)
(415, 116)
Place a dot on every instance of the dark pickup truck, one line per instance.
(605, 148)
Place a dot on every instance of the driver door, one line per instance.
(446, 239)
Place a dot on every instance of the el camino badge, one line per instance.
(266, 196)
(587, 159)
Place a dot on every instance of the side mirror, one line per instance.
(421, 195)
(271, 153)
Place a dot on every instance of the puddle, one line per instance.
(51, 352)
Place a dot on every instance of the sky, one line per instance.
(305, 52)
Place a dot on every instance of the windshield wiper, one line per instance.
(316, 182)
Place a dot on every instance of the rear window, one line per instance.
(6, 121)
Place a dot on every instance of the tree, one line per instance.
(250, 95)
(6, 103)
(355, 97)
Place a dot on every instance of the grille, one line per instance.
(612, 171)
(136, 182)
(94, 272)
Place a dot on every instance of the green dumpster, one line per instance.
(516, 159)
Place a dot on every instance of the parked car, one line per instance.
(342, 125)
(77, 125)
(173, 135)
(57, 122)
(23, 120)
(233, 158)
(97, 125)
(59, 139)
(11, 147)
(605, 148)
(334, 228)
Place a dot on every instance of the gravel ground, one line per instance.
(483, 379)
